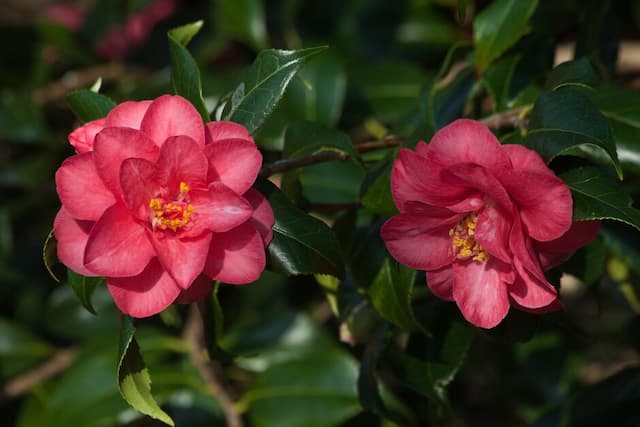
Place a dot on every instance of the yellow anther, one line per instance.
(184, 188)
(463, 241)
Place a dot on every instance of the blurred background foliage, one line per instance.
(317, 351)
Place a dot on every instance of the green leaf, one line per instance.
(214, 320)
(19, 348)
(185, 74)
(595, 196)
(84, 287)
(576, 72)
(391, 293)
(242, 20)
(134, 381)
(301, 244)
(376, 190)
(49, 255)
(264, 84)
(565, 121)
(497, 79)
(306, 138)
(498, 27)
(89, 105)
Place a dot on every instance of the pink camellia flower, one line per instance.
(82, 138)
(160, 203)
(484, 221)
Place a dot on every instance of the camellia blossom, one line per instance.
(484, 221)
(159, 204)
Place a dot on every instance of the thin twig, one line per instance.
(209, 370)
(50, 368)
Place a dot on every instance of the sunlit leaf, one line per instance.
(89, 105)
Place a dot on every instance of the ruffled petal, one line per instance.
(221, 130)
(82, 192)
(219, 209)
(118, 245)
(181, 160)
(128, 114)
(145, 294)
(113, 145)
(71, 239)
(480, 292)
(263, 217)
(467, 141)
(199, 289)
(556, 251)
(236, 256)
(183, 258)
(544, 202)
(234, 162)
(479, 179)
(82, 138)
(556, 305)
(523, 158)
(529, 291)
(492, 232)
(139, 185)
(419, 241)
(172, 115)
(440, 282)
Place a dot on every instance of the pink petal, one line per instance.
(183, 258)
(263, 217)
(118, 245)
(556, 251)
(419, 241)
(221, 130)
(492, 232)
(529, 291)
(480, 292)
(172, 115)
(481, 180)
(138, 179)
(544, 202)
(523, 250)
(234, 162)
(219, 209)
(129, 114)
(523, 158)
(82, 192)
(440, 282)
(556, 305)
(197, 291)
(71, 237)
(82, 138)
(467, 141)
(113, 145)
(146, 294)
(236, 256)
(181, 159)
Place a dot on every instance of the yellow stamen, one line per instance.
(464, 244)
(172, 215)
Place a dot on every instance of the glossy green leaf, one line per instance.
(89, 105)
(242, 20)
(185, 74)
(565, 121)
(335, 182)
(500, 26)
(264, 84)
(596, 196)
(376, 190)
(498, 78)
(134, 380)
(301, 244)
(49, 255)
(84, 287)
(448, 97)
(391, 293)
(307, 138)
(577, 72)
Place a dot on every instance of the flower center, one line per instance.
(172, 215)
(464, 244)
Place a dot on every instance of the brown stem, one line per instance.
(50, 368)
(209, 370)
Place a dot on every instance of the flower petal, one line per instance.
(172, 115)
(183, 258)
(544, 202)
(118, 245)
(113, 145)
(219, 209)
(181, 160)
(236, 256)
(419, 241)
(556, 251)
(82, 137)
(523, 158)
(71, 237)
(440, 282)
(82, 192)
(234, 162)
(138, 179)
(492, 232)
(221, 130)
(128, 114)
(199, 289)
(530, 292)
(480, 179)
(145, 294)
(263, 217)
(480, 292)
(467, 141)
